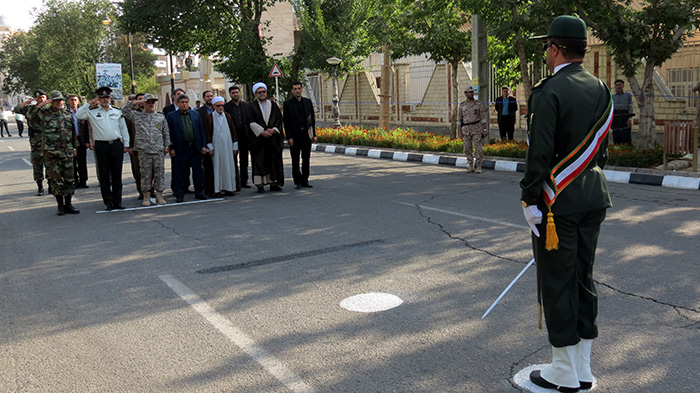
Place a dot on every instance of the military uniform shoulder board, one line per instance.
(116, 107)
(542, 82)
(94, 106)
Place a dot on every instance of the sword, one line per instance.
(508, 288)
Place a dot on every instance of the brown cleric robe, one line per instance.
(266, 152)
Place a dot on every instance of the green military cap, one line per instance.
(56, 95)
(39, 93)
(149, 97)
(566, 26)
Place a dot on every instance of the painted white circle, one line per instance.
(371, 302)
(522, 379)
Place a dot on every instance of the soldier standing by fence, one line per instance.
(472, 129)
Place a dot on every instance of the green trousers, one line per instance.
(569, 298)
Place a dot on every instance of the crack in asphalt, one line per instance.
(694, 324)
(517, 362)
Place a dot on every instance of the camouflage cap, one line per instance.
(149, 97)
(103, 91)
(56, 95)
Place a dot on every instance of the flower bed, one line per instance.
(408, 139)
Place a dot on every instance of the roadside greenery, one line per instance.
(409, 139)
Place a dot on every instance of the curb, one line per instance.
(613, 176)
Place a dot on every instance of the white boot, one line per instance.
(564, 368)
(584, 361)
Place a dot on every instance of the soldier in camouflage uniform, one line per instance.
(58, 147)
(151, 141)
(472, 129)
(30, 113)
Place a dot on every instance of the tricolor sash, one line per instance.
(571, 166)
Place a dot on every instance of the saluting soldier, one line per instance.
(151, 141)
(111, 141)
(472, 129)
(569, 116)
(29, 110)
(59, 145)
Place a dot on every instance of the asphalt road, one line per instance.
(243, 294)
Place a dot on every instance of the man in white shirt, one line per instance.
(109, 139)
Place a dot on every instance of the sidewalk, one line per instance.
(652, 177)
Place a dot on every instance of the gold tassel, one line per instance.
(552, 242)
(539, 316)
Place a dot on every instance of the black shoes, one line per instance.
(275, 187)
(82, 185)
(307, 185)
(40, 188)
(201, 197)
(298, 186)
(537, 379)
(68, 206)
(261, 190)
(179, 200)
(61, 208)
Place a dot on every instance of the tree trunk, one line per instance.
(522, 56)
(455, 98)
(644, 94)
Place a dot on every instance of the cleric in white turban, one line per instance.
(259, 85)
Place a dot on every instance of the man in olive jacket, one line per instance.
(569, 115)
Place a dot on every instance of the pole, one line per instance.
(172, 73)
(277, 89)
(131, 64)
(385, 92)
(480, 65)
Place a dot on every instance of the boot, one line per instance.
(61, 209)
(470, 168)
(146, 202)
(159, 198)
(563, 371)
(478, 168)
(69, 208)
(40, 189)
(585, 376)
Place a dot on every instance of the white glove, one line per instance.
(533, 216)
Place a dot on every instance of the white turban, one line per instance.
(259, 85)
(217, 99)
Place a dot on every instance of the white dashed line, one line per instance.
(27, 161)
(10, 147)
(237, 337)
(489, 220)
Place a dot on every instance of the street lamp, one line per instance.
(334, 61)
(106, 21)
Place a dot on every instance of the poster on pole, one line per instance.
(110, 75)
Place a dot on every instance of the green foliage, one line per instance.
(628, 156)
(60, 51)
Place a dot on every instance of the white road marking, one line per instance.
(10, 147)
(158, 206)
(371, 302)
(489, 220)
(237, 337)
(522, 379)
(27, 161)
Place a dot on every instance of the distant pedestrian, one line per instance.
(207, 164)
(300, 130)
(472, 130)
(623, 113)
(188, 144)
(58, 146)
(3, 123)
(506, 109)
(20, 123)
(82, 131)
(238, 110)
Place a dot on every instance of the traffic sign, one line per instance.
(276, 71)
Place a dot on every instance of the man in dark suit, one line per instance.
(506, 108)
(188, 145)
(207, 163)
(173, 95)
(238, 108)
(300, 129)
(566, 110)
(83, 135)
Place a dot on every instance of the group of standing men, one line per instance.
(207, 143)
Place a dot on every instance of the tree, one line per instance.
(438, 28)
(60, 51)
(641, 36)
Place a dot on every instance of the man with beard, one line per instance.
(266, 141)
(238, 108)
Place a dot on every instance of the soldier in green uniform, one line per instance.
(569, 116)
(29, 111)
(58, 147)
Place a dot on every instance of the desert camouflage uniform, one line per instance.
(30, 113)
(58, 141)
(150, 138)
(472, 119)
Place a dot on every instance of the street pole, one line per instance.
(384, 91)
(131, 64)
(172, 74)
